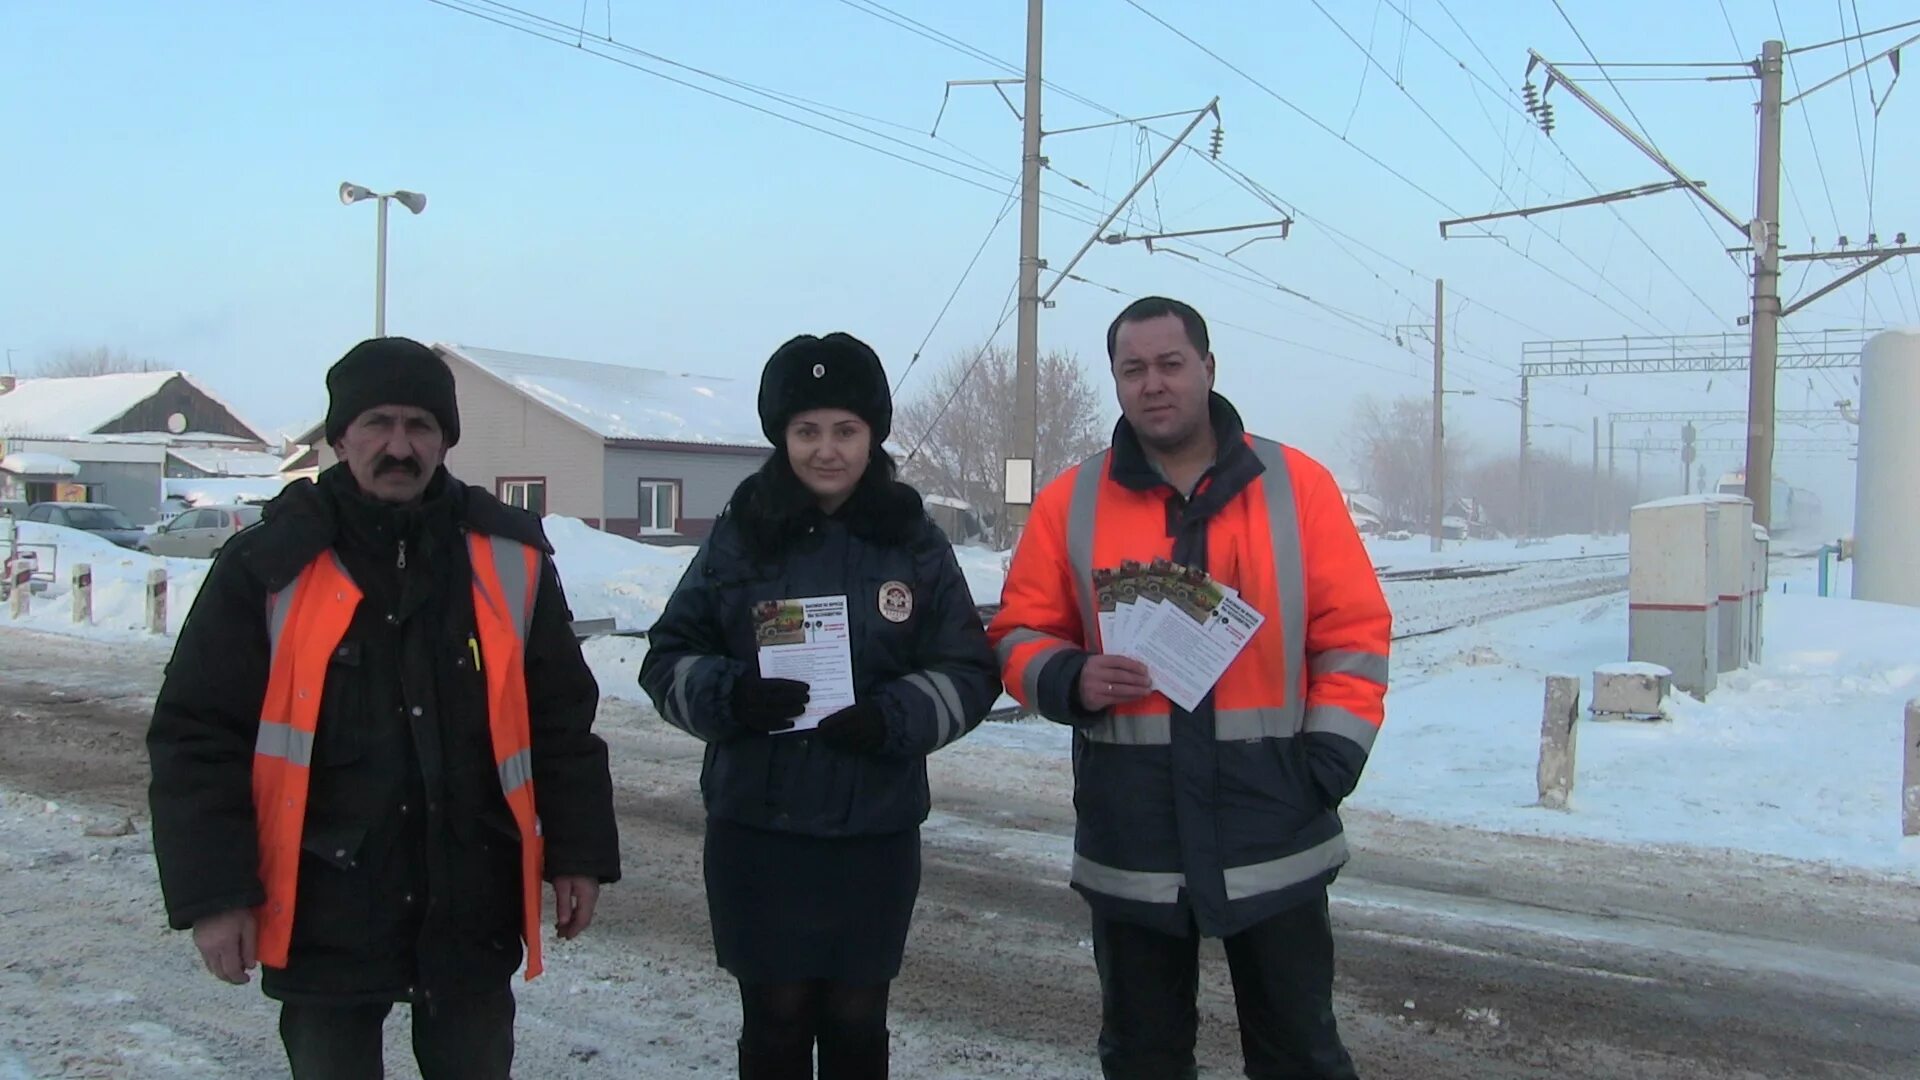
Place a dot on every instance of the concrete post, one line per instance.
(83, 594)
(157, 600)
(21, 587)
(1910, 802)
(1557, 741)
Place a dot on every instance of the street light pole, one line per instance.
(380, 277)
(412, 200)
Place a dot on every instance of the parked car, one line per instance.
(103, 521)
(199, 533)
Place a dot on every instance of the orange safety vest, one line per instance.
(305, 623)
(1318, 664)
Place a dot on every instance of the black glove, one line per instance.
(856, 729)
(764, 706)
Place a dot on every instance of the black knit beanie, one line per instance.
(838, 371)
(391, 371)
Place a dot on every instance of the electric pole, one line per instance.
(1766, 292)
(1026, 372)
(1596, 477)
(1439, 507)
(1526, 443)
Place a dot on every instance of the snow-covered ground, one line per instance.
(1797, 757)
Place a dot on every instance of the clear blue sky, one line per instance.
(172, 169)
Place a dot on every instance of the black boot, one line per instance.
(778, 1061)
(862, 1057)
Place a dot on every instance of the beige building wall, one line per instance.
(505, 434)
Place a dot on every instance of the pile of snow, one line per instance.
(1797, 757)
(223, 490)
(608, 576)
(119, 584)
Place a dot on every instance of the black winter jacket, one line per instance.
(932, 674)
(409, 871)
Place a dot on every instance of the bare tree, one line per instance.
(1392, 444)
(78, 363)
(962, 423)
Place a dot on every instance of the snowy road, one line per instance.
(1463, 954)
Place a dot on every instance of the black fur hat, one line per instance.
(838, 371)
(391, 371)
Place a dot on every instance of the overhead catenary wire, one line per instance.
(1852, 37)
(1684, 282)
(1543, 267)
(1645, 133)
(1001, 217)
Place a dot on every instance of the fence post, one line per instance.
(1910, 803)
(1557, 740)
(157, 600)
(83, 594)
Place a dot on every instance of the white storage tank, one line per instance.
(1886, 516)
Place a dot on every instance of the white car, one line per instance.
(199, 533)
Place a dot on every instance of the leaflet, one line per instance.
(808, 640)
(1188, 647)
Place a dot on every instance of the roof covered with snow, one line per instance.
(84, 405)
(619, 402)
(222, 462)
(32, 464)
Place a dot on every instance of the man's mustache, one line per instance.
(389, 464)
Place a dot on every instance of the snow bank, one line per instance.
(1414, 553)
(1798, 757)
(119, 584)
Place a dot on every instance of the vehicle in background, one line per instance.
(1795, 510)
(199, 533)
(103, 521)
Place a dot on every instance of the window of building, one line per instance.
(659, 506)
(526, 492)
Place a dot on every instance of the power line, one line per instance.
(1644, 130)
(1819, 160)
(1006, 312)
(1397, 174)
(1564, 157)
(964, 274)
(1854, 37)
(1853, 97)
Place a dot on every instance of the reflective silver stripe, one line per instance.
(1283, 523)
(1361, 665)
(510, 561)
(1082, 511)
(938, 686)
(1334, 720)
(1030, 676)
(1132, 729)
(1260, 878)
(516, 772)
(1015, 639)
(677, 696)
(1235, 724)
(279, 606)
(284, 741)
(1143, 885)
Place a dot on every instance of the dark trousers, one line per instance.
(464, 1038)
(1282, 989)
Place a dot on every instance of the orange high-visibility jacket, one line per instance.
(1225, 816)
(306, 622)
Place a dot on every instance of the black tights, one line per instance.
(793, 1015)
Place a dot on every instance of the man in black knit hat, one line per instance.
(374, 743)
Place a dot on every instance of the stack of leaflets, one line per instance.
(1184, 626)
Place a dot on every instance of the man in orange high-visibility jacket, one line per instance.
(374, 742)
(1220, 822)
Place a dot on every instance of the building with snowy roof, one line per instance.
(649, 454)
(121, 433)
